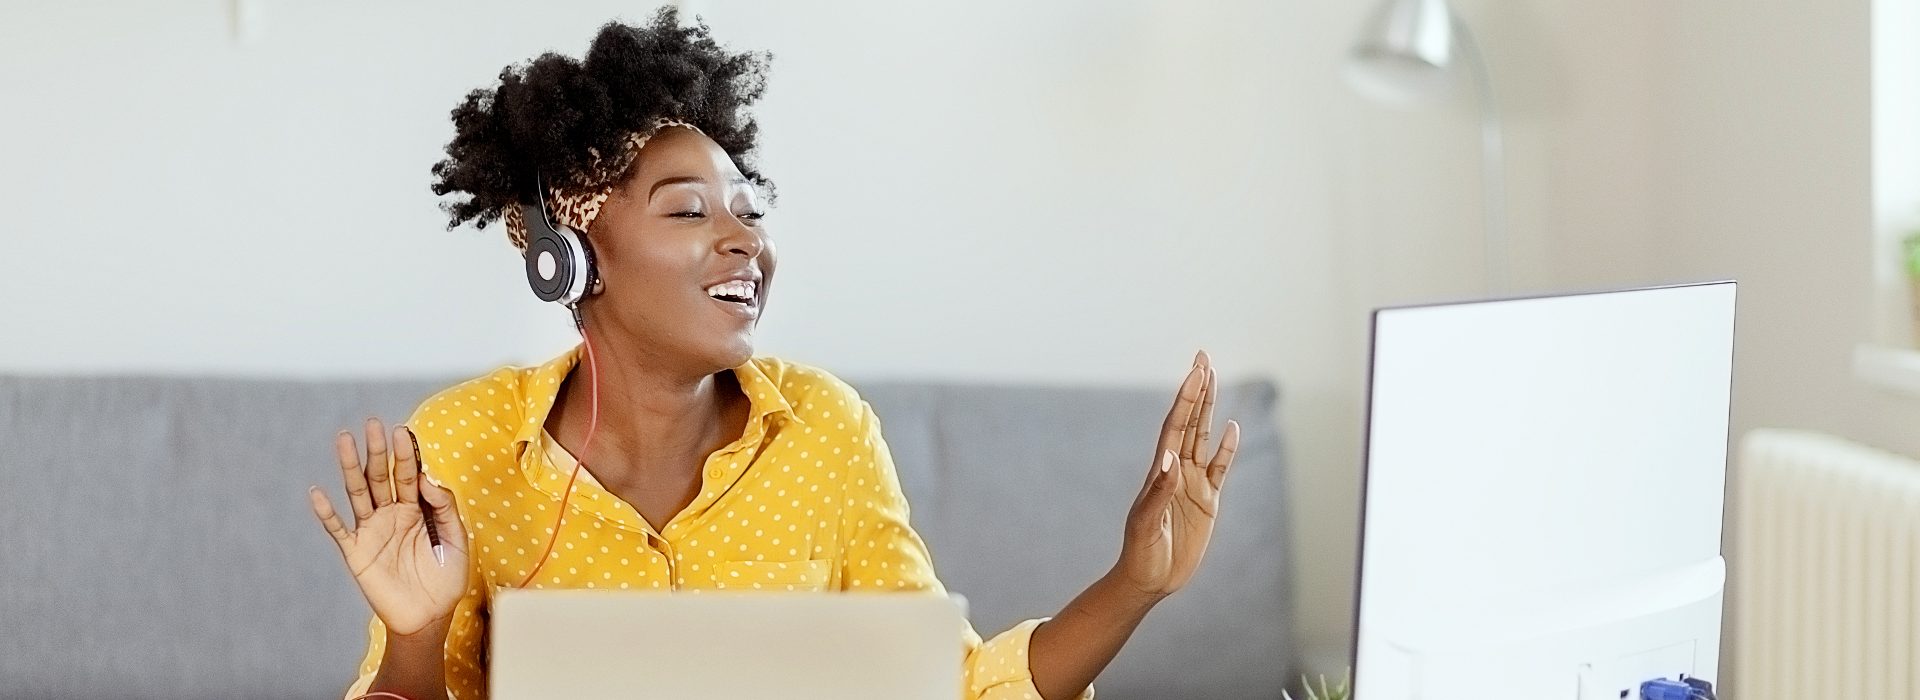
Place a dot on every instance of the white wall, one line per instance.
(968, 189)
(1760, 164)
(1766, 174)
(1067, 192)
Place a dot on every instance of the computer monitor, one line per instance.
(1544, 483)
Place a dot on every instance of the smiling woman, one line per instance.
(706, 467)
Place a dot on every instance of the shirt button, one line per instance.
(713, 473)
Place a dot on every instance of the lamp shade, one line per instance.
(1404, 52)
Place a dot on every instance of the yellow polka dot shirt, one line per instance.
(805, 500)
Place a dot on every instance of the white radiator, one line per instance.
(1824, 583)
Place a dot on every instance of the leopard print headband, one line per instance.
(576, 203)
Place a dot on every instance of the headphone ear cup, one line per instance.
(592, 282)
(559, 262)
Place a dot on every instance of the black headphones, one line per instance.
(560, 264)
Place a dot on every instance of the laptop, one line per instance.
(587, 644)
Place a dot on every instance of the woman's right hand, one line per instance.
(387, 550)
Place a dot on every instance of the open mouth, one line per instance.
(741, 292)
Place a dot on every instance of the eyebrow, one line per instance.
(688, 179)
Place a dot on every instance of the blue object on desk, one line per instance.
(1683, 689)
(1663, 689)
(1702, 690)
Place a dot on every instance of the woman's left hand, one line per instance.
(1172, 519)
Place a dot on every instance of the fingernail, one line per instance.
(1166, 460)
(1202, 358)
(1198, 356)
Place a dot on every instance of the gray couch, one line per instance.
(155, 540)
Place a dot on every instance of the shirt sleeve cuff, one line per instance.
(359, 686)
(999, 668)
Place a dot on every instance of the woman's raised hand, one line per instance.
(387, 550)
(1172, 519)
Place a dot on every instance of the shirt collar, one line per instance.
(541, 386)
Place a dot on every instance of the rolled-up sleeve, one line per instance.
(883, 553)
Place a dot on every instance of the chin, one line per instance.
(733, 354)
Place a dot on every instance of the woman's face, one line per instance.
(685, 262)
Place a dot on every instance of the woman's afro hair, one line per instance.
(552, 114)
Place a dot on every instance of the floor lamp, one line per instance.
(1406, 55)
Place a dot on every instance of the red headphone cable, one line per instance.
(593, 424)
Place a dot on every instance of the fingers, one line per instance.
(354, 474)
(1203, 428)
(1223, 457)
(379, 471)
(1161, 484)
(323, 509)
(406, 466)
(1172, 429)
(1193, 440)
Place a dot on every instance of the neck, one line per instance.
(651, 410)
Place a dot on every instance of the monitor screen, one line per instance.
(1543, 495)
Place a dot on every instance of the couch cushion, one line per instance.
(158, 541)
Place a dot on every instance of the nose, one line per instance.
(741, 239)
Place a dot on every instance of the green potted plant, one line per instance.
(1910, 264)
(1341, 691)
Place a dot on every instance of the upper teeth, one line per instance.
(737, 288)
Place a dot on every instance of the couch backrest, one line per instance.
(157, 542)
(1021, 493)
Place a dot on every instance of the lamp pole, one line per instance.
(1493, 171)
(1406, 54)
